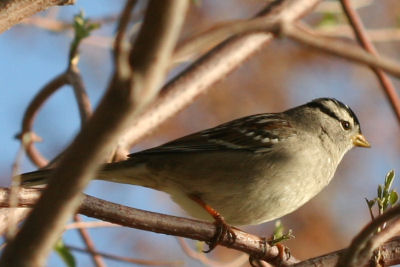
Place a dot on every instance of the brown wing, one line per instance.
(256, 133)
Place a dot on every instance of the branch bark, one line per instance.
(81, 160)
(204, 231)
(389, 251)
(13, 11)
(355, 254)
(98, 260)
(30, 114)
(211, 68)
(339, 48)
(362, 38)
(158, 223)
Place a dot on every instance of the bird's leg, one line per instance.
(222, 228)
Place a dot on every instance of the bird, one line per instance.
(246, 171)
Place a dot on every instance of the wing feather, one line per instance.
(255, 133)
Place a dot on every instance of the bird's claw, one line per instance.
(222, 229)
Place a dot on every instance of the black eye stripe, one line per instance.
(318, 103)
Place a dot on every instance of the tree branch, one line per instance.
(120, 49)
(389, 251)
(30, 114)
(352, 255)
(84, 233)
(13, 11)
(339, 48)
(361, 35)
(81, 160)
(204, 231)
(158, 223)
(130, 260)
(211, 68)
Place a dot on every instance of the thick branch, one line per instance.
(211, 68)
(80, 161)
(13, 11)
(351, 257)
(194, 229)
(390, 255)
(18, 213)
(155, 222)
(140, 62)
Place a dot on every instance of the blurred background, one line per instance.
(281, 75)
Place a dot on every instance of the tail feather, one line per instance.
(35, 178)
(126, 172)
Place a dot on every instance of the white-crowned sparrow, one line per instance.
(251, 170)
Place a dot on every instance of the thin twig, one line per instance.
(47, 23)
(72, 77)
(334, 6)
(122, 25)
(83, 232)
(362, 38)
(51, 23)
(121, 49)
(84, 106)
(130, 260)
(76, 225)
(375, 35)
(339, 48)
(202, 257)
(75, 80)
(30, 114)
(57, 26)
(82, 28)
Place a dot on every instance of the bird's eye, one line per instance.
(345, 125)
